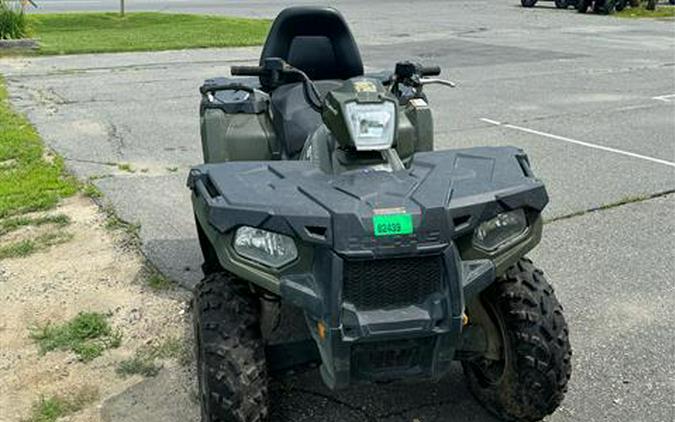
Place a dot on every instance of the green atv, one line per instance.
(334, 235)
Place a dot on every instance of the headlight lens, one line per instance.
(371, 125)
(271, 249)
(500, 231)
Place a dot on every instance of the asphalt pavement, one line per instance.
(590, 98)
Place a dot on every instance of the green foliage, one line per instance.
(144, 362)
(114, 222)
(126, 167)
(11, 224)
(90, 190)
(52, 408)
(157, 281)
(28, 181)
(138, 365)
(27, 247)
(644, 12)
(13, 22)
(106, 32)
(88, 335)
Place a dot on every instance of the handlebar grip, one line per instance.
(430, 70)
(246, 70)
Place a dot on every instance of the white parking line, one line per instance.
(665, 98)
(577, 142)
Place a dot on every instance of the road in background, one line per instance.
(590, 98)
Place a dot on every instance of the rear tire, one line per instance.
(230, 352)
(604, 7)
(528, 3)
(583, 5)
(561, 4)
(530, 380)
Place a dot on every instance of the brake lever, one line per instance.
(429, 81)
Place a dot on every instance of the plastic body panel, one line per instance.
(330, 216)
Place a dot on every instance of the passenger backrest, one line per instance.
(315, 40)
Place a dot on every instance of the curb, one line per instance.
(26, 43)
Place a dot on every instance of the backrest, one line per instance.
(315, 40)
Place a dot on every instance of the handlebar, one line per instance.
(430, 70)
(247, 70)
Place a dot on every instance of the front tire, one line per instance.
(561, 4)
(230, 352)
(530, 380)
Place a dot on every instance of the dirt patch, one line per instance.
(89, 273)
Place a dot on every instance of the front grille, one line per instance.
(391, 283)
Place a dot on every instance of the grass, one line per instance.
(13, 22)
(158, 281)
(11, 224)
(73, 33)
(641, 12)
(23, 248)
(114, 222)
(29, 180)
(88, 335)
(144, 362)
(91, 191)
(125, 167)
(55, 407)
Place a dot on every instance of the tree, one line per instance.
(651, 5)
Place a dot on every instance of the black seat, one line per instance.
(317, 41)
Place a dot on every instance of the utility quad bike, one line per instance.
(322, 202)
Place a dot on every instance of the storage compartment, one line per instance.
(235, 121)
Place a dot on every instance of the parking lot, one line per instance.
(590, 98)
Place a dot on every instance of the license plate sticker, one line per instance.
(392, 224)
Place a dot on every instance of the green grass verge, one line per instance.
(73, 33)
(641, 12)
(55, 407)
(88, 335)
(29, 180)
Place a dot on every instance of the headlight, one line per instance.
(371, 125)
(271, 249)
(500, 231)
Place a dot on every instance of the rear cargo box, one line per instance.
(235, 121)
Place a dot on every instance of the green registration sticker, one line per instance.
(392, 224)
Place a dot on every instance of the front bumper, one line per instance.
(414, 338)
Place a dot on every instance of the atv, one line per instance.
(333, 234)
(560, 4)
